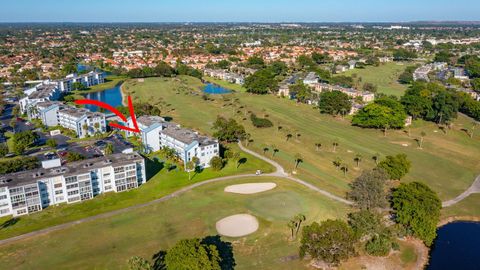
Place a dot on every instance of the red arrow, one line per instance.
(115, 111)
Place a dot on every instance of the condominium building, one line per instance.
(82, 121)
(32, 191)
(188, 144)
(52, 90)
(88, 79)
(156, 133)
(46, 91)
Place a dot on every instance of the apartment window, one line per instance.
(108, 187)
(21, 212)
(72, 186)
(3, 197)
(4, 211)
(70, 193)
(59, 185)
(58, 192)
(60, 198)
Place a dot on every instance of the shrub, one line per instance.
(216, 163)
(260, 122)
(378, 246)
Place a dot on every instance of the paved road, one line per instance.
(474, 188)
(279, 172)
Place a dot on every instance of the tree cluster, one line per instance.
(334, 103)
(228, 130)
(18, 164)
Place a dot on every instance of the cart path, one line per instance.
(474, 188)
(279, 173)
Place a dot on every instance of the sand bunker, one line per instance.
(237, 225)
(250, 188)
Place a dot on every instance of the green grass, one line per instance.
(161, 184)
(225, 84)
(448, 162)
(466, 208)
(408, 255)
(384, 77)
(108, 243)
(110, 82)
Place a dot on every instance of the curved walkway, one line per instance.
(279, 172)
(474, 188)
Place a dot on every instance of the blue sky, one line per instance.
(237, 10)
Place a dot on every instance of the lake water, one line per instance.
(457, 247)
(214, 89)
(112, 96)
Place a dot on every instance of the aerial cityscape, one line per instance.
(197, 135)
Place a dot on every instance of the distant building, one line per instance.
(31, 191)
(52, 90)
(311, 79)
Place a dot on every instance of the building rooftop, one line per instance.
(187, 136)
(69, 169)
(148, 120)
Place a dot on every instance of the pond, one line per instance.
(112, 96)
(214, 89)
(457, 247)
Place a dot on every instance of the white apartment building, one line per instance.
(52, 90)
(46, 91)
(32, 191)
(188, 144)
(156, 134)
(150, 127)
(82, 121)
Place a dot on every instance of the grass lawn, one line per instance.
(109, 242)
(468, 207)
(225, 84)
(110, 82)
(384, 77)
(448, 162)
(160, 184)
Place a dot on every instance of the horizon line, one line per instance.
(262, 22)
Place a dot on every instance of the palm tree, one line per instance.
(357, 159)
(318, 145)
(335, 144)
(422, 136)
(279, 128)
(292, 225)
(247, 138)
(108, 149)
(299, 219)
(344, 169)
(474, 125)
(265, 150)
(289, 136)
(337, 162)
(375, 158)
(189, 167)
(298, 160)
(274, 150)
